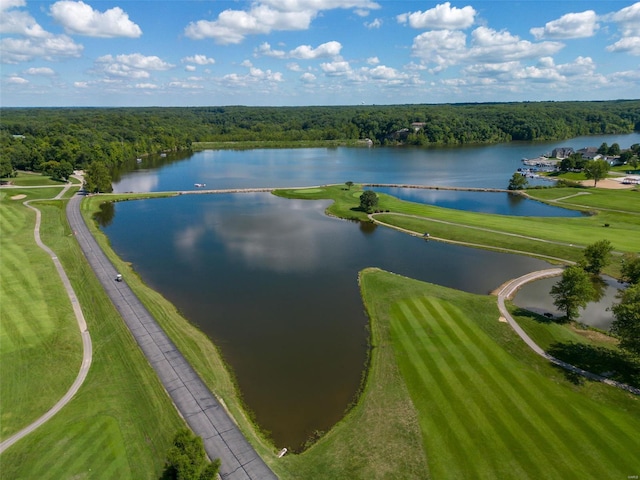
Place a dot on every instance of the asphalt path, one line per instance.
(195, 402)
(509, 289)
(87, 348)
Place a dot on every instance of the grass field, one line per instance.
(486, 411)
(121, 422)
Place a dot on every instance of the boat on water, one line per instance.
(199, 185)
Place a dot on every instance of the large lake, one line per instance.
(274, 282)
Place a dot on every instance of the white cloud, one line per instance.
(376, 23)
(294, 67)
(15, 80)
(445, 48)
(40, 71)
(190, 68)
(147, 86)
(571, 25)
(373, 60)
(134, 65)
(53, 47)
(306, 52)
(628, 20)
(308, 77)
(335, 69)
(18, 22)
(302, 52)
(627, 45)
(255, 76)
(199, 60)
(442, 16)
(8, 4)
(232, 26)
(80, 18)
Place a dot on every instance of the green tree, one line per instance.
(604, 149)
(349, 184)
(518, 182)
(6, 169)
(627, 319)
(597, 256)
(596, 170)
(187, 460)
(97, 178)
(614, 149)
(631, 268)
(572, 292)
(368, 200)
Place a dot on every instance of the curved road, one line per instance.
(87, 353)
(195, 402)
(509, 289)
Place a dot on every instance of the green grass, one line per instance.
(568, 234)
(487, 407)
(121, 422)
(28, 179)
(627, 200)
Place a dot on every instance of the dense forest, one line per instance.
(42, 138)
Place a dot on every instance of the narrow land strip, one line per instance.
(87, 348)
(195, 402)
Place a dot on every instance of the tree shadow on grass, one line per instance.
(546, 318)
(611, 363)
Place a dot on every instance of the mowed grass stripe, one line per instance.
(11, 219)
(457, 419)
(517, 409)
(489, 415)
(543, 403)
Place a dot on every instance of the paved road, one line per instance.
(87, 348)
(195, 402)
(509, 289)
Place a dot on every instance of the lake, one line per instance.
(273, 282)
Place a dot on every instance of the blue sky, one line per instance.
(315, 52)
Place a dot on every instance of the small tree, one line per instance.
(572, 292)
(518, 182)
(630, 268)
(368, 200)
(627, 319)
(187, 460)
(349, 184)
(97, 178)
(596, 170)
(597, 256)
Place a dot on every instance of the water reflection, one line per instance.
(535, 296)
(273, 283)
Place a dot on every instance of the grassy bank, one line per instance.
(487, 407)
(548, 236)
(121, 422)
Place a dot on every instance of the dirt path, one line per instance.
(87, 348)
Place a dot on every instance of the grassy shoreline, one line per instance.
(364, 444)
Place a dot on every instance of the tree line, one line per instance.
(33, 138)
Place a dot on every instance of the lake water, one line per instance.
(273, 282)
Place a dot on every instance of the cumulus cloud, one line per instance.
(571, 25)
(254, 77)
(445, 48)
(15, 80)
(199, 60)
(373, 60)
(81, 19)
(442, 16)
(628, 20)
(40, 71)
(134, 66)
(54, 47)
(302, 52)
(335, 69)
(33, 42)
(376, 23)
(232, 26)
(308, 77)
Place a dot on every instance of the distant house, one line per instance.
(590, 153)
(562, 152)
(417, 126)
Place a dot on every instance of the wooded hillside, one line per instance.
(30, 137)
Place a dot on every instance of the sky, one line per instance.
(315, 52)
